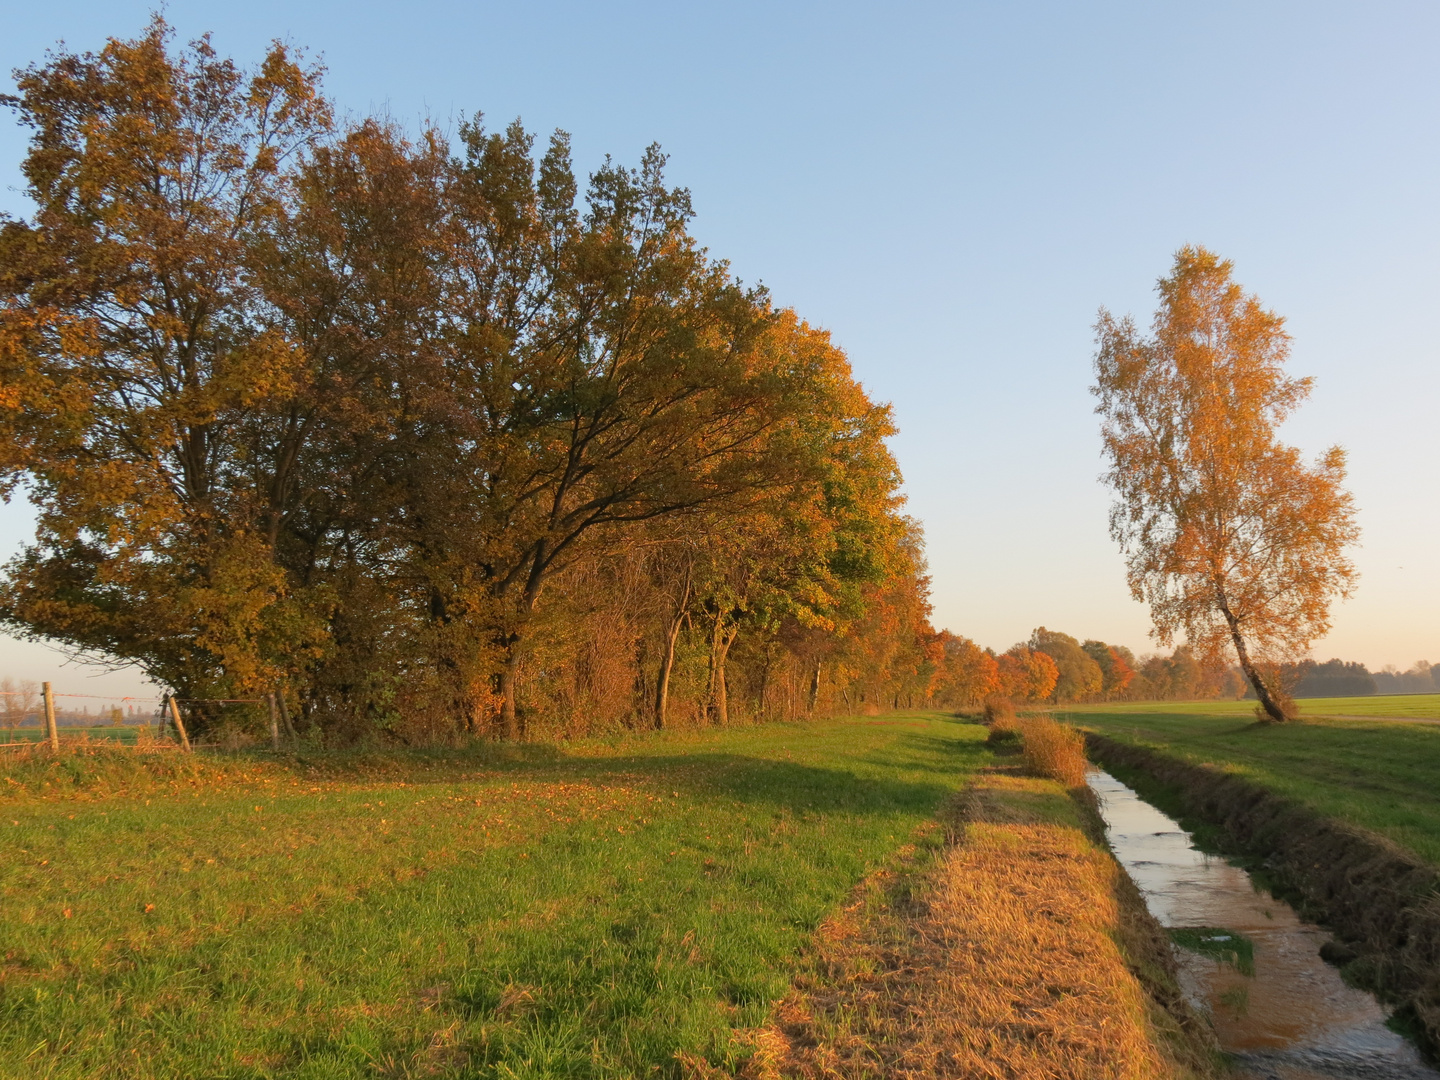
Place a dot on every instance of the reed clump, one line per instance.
(999, 709)
(1054, 750)
(1000, 718)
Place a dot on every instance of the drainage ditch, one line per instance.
(1249, 961)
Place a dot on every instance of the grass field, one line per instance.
(1395, 706)
(123, 733)
(592, 912)
(1383, 776)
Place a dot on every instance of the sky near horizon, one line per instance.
(954, 190)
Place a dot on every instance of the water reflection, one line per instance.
(1294, 1019)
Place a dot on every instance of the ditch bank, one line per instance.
(1008, 943)
(1381, 902)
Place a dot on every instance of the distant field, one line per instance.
(108, 732)
(589, 912)
(1400, 706)
(1380, 775)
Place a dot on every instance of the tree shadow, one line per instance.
(924, 769)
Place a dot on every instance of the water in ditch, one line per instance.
(1248, 960)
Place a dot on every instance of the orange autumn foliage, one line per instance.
(1231, 537)
(1026, 674)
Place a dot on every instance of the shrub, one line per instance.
(999, 709)
(1054, 750)
(1288, 708)
(1000, 716)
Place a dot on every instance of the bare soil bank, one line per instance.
(1381, 901)
(1015, 948)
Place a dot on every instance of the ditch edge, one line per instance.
(1381, 901)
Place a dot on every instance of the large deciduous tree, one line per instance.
(131, 361)
(1231, 537)
(419, 432)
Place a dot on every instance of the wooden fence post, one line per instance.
(52, 733)
(179, 724)
(290, 731)
(274, 721)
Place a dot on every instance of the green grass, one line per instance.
(1382, 776)
(123, 733)
(596, 912)
(1396, 706)
(1219, 944)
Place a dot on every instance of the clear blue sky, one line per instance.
(954, 189)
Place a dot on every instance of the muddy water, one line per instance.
(1293, 1018)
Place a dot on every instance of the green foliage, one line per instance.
(1079, 675)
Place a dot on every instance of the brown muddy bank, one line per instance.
(1381, 901)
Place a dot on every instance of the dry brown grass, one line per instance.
(1004, 726)
(999, 710)
(1054, 750)
(998, 960)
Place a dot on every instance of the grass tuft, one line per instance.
(1054, 750)
(1221, 945)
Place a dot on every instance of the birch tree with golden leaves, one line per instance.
(1232, 538)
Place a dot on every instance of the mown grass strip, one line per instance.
(601, 912)
(1013, 951)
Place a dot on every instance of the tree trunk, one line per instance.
(667, 663)
(667, 658)
(509, 720)
(290, 730)
(512, 727)
(1272, 707)
(814, 687)
(720, 642)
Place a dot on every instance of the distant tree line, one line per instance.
(1056, 668)
(416, 430)
(1340, 678)
(21, 706)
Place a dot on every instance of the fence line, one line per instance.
(277, 710)
(95, 697)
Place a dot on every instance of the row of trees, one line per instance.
(1341, 678)
(1057, 668)
(415, 430)
(1422, 677)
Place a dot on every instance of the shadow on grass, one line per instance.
(910, 768)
